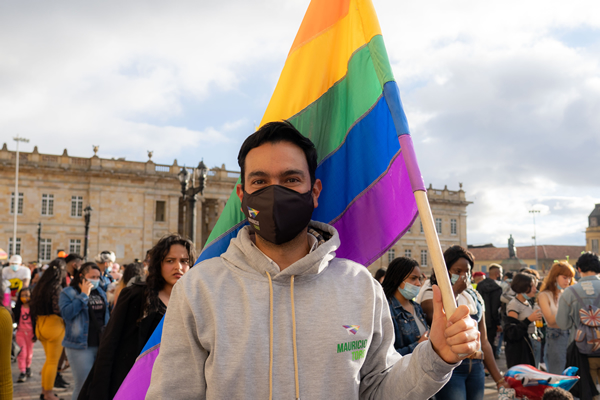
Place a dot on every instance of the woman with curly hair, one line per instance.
(49, 326)
(140, 308)
(467, 381)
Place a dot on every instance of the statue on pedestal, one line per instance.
(512, 250)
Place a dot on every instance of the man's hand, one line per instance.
(455, 338)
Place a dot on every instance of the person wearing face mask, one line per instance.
(84, 308)
(278, 315)
(105, 260)
(17, 274)
(140, 308)
(560, 277)
(25, 333)
(467, 381)
(519, 329)
(401, 285)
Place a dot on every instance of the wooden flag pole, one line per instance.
(392, 96)
(435, 252)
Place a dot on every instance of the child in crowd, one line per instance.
(25, 333)
(556, 393)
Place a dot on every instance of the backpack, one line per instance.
(587, 337)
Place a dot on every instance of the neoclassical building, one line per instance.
(449, 209)
(592, 232)
(133, 204)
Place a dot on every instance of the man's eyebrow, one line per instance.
(293, 172)
(254, 174)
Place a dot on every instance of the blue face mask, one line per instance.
(526, 297)
(454, 279)
(95, 283)
(14, 267)
(410, 291)
(559, 287)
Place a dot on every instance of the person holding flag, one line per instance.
(328, 183)
(279, 300)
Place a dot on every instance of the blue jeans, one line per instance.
(81, 362)
(555, 351)
(467, 382)
(537, 351)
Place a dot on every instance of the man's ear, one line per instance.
(316, 191)
(240, 192)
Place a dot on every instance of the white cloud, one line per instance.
(502, 96)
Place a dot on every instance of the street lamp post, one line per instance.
(16, 196)
(534, 237)
(39, 241)
(87, 213)
(189, 193)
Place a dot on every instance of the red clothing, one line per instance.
(25, 339)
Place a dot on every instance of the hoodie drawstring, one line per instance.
(294, 339)
(271, 338)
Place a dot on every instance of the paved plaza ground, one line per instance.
(33, 387)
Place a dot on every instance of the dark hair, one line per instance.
(275, 132)
(379, 274)
(131, 271)
(509, 275)
(398, 270)
(19, 303)
(72, 257)
(556, 393)
(588, 261)
(85, 268)
(155, 281)
(47, 287)
(522, 282)
(451, 256)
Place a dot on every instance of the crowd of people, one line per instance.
(71, 307)
(278, 314)
(536, 319)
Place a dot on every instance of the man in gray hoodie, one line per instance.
(279, 316)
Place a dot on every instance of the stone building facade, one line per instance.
(134, 204)
(449, 209)
(592, 232)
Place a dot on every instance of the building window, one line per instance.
(408, 230)
(438, 225)
(391, 255)
(453, 227)
(423, 258)
(12, 204)
(408, 253)
(47, 204)
(10, 246)
(421, 226)
(595, 246)
(160, 211)
(76, 206)
(75, 246)
(45, 249)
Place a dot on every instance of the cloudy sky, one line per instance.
(503, 96)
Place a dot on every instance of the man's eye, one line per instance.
(293, 180)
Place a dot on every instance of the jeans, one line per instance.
(555, 351)
(467, 382)
(536, 345)
(81, 361)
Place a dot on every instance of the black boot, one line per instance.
(22, 378)
(28, 372)
(60, 383)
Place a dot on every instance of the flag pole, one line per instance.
(392, 97)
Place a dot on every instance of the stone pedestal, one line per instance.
(513, 264)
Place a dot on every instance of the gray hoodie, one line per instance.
(333, 338)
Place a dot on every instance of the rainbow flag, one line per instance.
(337, 88)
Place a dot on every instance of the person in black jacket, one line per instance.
(140, 308)
(490, 290)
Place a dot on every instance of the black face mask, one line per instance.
(276, 213)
